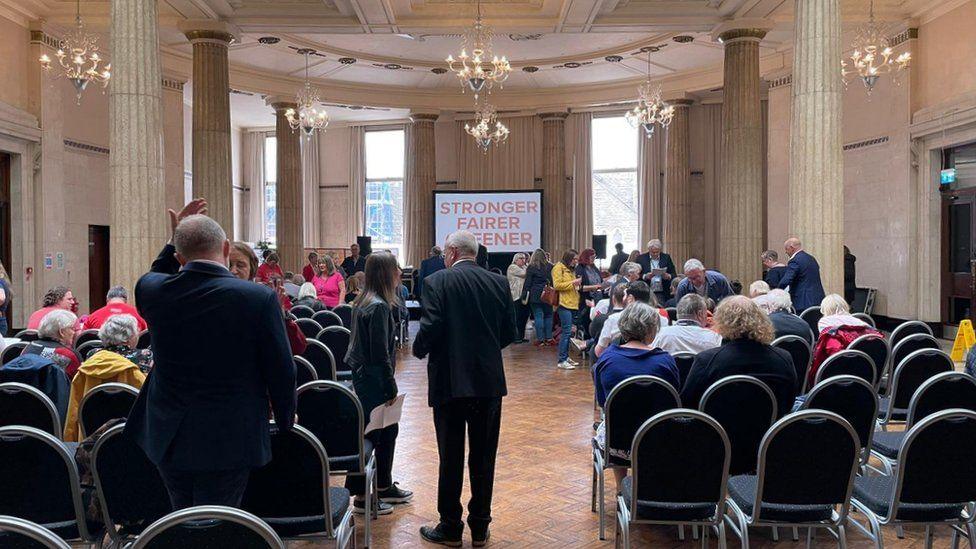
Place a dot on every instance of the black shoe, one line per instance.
(359, 507)
(395, 494)
(436, 534)
(480, 540)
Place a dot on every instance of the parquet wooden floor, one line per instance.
(542, 483)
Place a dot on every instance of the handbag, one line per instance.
(550, 296)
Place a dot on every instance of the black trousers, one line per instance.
(482, 419)
(521, 318)
(192, 488)
(384, 444)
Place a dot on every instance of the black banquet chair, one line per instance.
(27, 335)
(309, 327)
(877, 348)
(145, 340)
(909, 344)
(304, 371)
(812, 316)
(680, 468)
(206, 527)
(24, 405)
(908, 328)
(321, 358)
(853, 399)
(85, 336)
(336, 339)
(12, 351)
(745, 408)
(344, 312)
(909, 374)
(683, 360)
(301, 311)
(24, 533)
(88, 348)
(848, 362)
(327, 318)
(866, 318)
(800, 352)
(104, 403)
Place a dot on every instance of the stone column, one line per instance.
(816, 156)
(173, 142)
(740, 184)
(677, 184)
(137, 187)
(289, 228)
(211, 117)
(557, 202)
(419, 191)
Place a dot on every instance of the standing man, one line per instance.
(802, 276)
(774, 268)
(657, 270)
(428, 267)
(710, 284)
(353, 263)
(222, 357)
(308, 271)
(618, 258)
(466, 322)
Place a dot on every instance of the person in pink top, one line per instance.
(330, 287)
(58, 297)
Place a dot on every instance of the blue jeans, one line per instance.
(566, 322)
(542, 320)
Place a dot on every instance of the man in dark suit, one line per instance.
(802, 276)
(651, 263)
(774, 268)
(618, 258)
(353, 263)
(221, 354)
(467, 320)
(428, 267)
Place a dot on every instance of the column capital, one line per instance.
(737, 30)
(209, 31)
(420, 116)
(557, 115)
(173, 83)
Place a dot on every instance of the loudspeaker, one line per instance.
(600, 245)
(365, 245)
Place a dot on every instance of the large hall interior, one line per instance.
(788, 186)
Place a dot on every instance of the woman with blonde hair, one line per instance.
(836, 313)
(516, 274)
(354, 285)
(567, 285)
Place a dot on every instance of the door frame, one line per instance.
(946, 200)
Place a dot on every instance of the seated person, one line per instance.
(119, 337)
(838, 329)
(290, 286)
(353, 285)
(673, 301)
(836, 313)
(119, 333)
(689, 334)
(747, 332)
(58, 297)
(596, 325)
(758, 288)
(307, 297)
(777, 304)
(636, 291)
(56, 335)
(116, 303)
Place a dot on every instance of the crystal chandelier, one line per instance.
(309, 117)
(474, 70)
(650, 108)
(487, 129)
(872, 55)
(79, 59)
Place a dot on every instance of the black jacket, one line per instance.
(789, 324)
(774, 275)
(221, 353)
(371, 352)
(428, 267)
(616, 261)
(468, 318)
(665, 262)
(351, 266)
(535, 280)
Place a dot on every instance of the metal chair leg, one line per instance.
(722, 541)
(681, 532)
(841, 537)
(775, 533)
(796, 534)
(899, 531)
(928, 537)
(602, 504)
(810, 534)
(971, 529)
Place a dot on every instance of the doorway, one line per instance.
(958, 236)
(98, 267)
(5, 212)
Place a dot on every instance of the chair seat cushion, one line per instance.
(350, 463)
(657, 510)
(287, 527)
(888, 443)
(875, 494)
(742, 490)
(898, 414)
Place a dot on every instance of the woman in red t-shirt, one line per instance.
(269, 270)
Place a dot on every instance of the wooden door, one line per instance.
(98, 268)
(5, 222)
(958, 238)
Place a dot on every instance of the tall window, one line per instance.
(270, 176)
(615, 193)
(384, 189)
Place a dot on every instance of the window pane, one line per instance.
(270, 175)
(614, 144)
(384, 154)
(384, 190)
(270, 159)
(615, 208)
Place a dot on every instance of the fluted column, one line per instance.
(816, 158)
(557, 205)
(211, 117)
(740, 191)
(289, 229)
(677, 184)
(136, 177)
(419, 191)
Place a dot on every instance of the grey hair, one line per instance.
(464, 241)
(757, 288)
(307, 290)
(117, 292)
(298, 279)
(629, 267)
(55, 321)
(638, 322)
(778, 300)
(693, 265)
(833, 304)
(118, 330)
(198, 236)
(769, 255)
(655, 243)
(690, 306)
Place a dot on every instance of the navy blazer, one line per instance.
(428, 267)
(665, 262)
(774, 275)
(803, 278)
(221, 353)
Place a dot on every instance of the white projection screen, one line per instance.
(504, 221)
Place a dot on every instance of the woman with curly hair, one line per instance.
(746, 333)
(58, 297)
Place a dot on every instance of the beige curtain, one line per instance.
(510, 165)
(311, 217)
(650, 182)
(583, 181)
(252, 176)
(708, 211)
(357, 180)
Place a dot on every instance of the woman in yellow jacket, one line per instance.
(567, 284)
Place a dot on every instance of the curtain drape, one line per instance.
(583, 181)
(357, 181)
(310, 190)
(650, 184)
(510, 165)
(252, 168)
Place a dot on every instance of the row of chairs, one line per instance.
(21, 404)
(341, 315)
(86, 344)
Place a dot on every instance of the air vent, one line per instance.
(530, 69)
(614, 58)
(269, 40)
(438, 70)
(347, 60)
(522, 37)
(392, 66)
(683, 38)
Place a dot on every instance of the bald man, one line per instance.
(802, 276)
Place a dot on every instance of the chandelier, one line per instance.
(474, 70)
(308, 116)
(650, 108)
(487, 128)
(79, 59)
(872, 55)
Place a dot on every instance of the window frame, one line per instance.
(399, 246)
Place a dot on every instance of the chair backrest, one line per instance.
(848, 361)
(295, 483)
(333, 413)
(631, 403)
(130, 490)
(85, 336)
(942, 392)
(304, 371)
(909, 344)
(88, 348)
(308, 327)
(145, 340)
(344, 312)
(875, 347)
(104, 403)
(336, 338)
(672, 314)
(850, 397)
(301, 311)
(321, 358)
(908, 328)
(27, 335)
(812, 316)
(681, 456)
(12, 351)
(24, 533)
(21, 404)
(914, 370)
(209, 526)
(800, 352)
(866, 318)
(684, 361)
(745, 407)
(40, 479)
(808, 457)
(327, 318)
